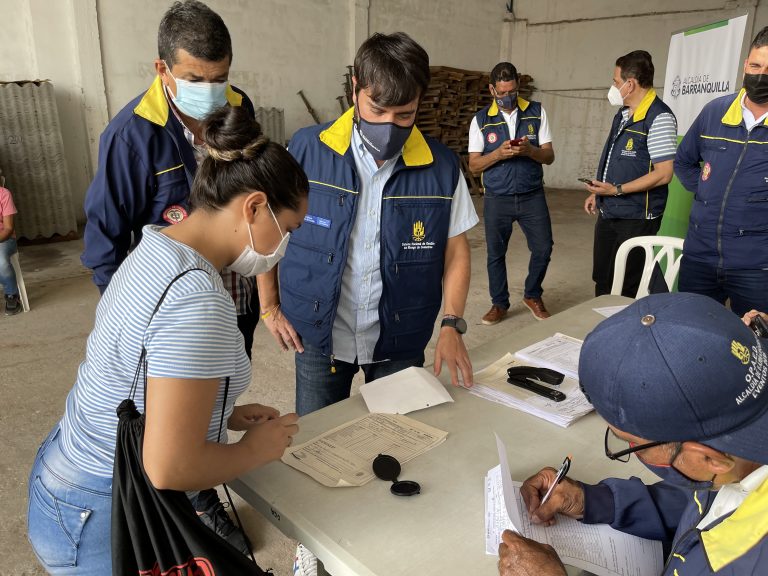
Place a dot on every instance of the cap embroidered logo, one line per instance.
(740, 351)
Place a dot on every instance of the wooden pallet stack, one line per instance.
(453, 98)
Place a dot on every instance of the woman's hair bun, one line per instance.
(230, 133)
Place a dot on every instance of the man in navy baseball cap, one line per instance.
(681, 382)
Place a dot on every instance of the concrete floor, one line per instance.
(41, 350)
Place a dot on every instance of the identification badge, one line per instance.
(317, 221)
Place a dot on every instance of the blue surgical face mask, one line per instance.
(383, 139)
(668, 473)
(198, 99)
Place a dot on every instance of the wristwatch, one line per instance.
(618, 190)
(459, 324)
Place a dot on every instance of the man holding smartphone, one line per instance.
(630, 190)
(508, 143)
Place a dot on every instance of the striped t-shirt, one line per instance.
(193, 335)
(661, 142)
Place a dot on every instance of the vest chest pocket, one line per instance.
(632, 146)
(711, 150)
(419, 229)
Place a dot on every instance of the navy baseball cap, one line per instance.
(680, 367)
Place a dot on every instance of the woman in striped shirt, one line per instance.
(246, 198)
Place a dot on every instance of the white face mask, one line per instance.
(252, 263)
(615, 97)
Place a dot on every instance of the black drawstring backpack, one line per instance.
(157, 532)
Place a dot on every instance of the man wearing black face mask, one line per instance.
(681, 382)
(723, 161)
(383, 242)
(509, 141)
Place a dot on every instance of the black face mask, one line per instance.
(383, 139)
(756, 86)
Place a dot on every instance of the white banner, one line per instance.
(703, 63)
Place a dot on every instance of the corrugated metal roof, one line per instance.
(32, 160)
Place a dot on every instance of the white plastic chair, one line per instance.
(667, 247)
(20, 281)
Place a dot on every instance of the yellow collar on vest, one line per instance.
(645, 104)
(522, 104)
(153, 106)
(338, 137)
(738, 533)
(734, 115)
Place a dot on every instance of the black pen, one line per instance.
(536, 388)
(560, 475)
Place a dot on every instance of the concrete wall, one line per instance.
(278, 47)
(458, 33)
(58, 40)
(570, 48)
(99, 53)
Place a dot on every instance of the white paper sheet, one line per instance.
(558, 352)
(609, 311)
(597, 548)
(491, 384)
(405, 391)
(343, 456)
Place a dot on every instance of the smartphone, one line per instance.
(585, 180)
(516, 142)
(759, 326)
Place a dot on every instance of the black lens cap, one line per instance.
(405, 488)
(387, 467)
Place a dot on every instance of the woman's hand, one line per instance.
(267, 441)
(248, 415)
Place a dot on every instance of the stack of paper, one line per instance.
(344, 456)
(597, 548)
(558, 352)
(491, 384)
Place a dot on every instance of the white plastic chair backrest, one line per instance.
(667, 247)
(20, 281)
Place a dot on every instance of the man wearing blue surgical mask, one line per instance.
(509, 142)
(680, 381)
(148, 156)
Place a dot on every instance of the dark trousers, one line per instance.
(746, 289)
(246, 323)
(531, 213)
(610, 233)
(320, 384)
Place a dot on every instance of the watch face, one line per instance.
(461, 325)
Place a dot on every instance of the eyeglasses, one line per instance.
(614, 445)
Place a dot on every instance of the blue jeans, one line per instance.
(7, 275)
(69, 517)
(530, 211)
(746, 289)
(318, 387)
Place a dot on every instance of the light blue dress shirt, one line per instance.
(356, 328)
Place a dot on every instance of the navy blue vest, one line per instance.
(630, 160)
(415, 218)
(515, 175)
